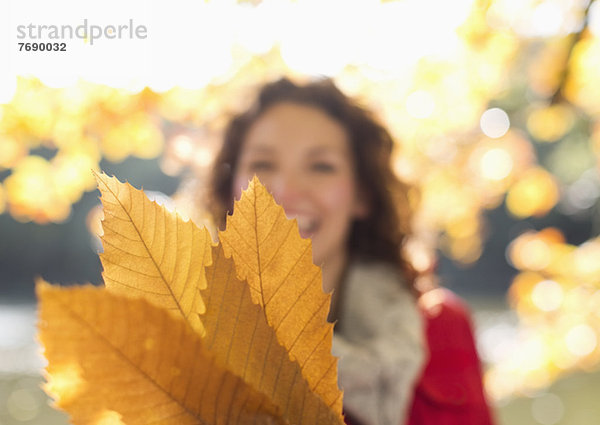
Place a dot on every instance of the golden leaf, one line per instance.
(151, 252)
(277, 263)
(238, 334)
(122, 356)
(112, 357)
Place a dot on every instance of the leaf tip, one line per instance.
(100, 176)
(41, 286)
(255, 181)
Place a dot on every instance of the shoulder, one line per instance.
(443, 304)
(448, 330)
(451, 383)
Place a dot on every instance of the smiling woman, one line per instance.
(327, 162)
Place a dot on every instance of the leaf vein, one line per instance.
(106, 259)
(292, 305)
(289, 272)
(118, 248)
(312, 316)
(126, 285)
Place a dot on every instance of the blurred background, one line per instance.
(495, 107)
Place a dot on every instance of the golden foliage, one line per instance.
(549, 124)
(79, 126)
(557, 298)
(534, 194)
(147, 349)
(582, 85)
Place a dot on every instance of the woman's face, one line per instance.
(304, 159)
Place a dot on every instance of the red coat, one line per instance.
(450, 390)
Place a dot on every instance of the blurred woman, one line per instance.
(327, 161)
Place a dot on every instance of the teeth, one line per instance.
(306, 225)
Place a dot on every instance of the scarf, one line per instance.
(380, 342)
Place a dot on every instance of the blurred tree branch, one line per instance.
(558, 96)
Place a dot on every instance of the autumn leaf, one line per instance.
(148, 349)
(238, 334)
(121, 358)
(277, 263)
(151, 252)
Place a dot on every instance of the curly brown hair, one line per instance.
(381, 234)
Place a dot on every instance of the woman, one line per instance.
(327, 162)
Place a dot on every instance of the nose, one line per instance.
(288, 189)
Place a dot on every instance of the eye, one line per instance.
(261, 165)
(323, 167)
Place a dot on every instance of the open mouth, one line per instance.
(306, 225)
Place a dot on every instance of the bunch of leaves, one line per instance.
(189, 332)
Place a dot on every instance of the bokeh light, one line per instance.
(549, 124)
(581, 340)
(494, 123)
(534, 194)
(496, 164)
(22, 405)
(547, 295)
(548, 409)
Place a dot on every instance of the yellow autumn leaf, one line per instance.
(115, 359)
(151, 252)
(277, 263)
(121, 356)
(238, 334)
